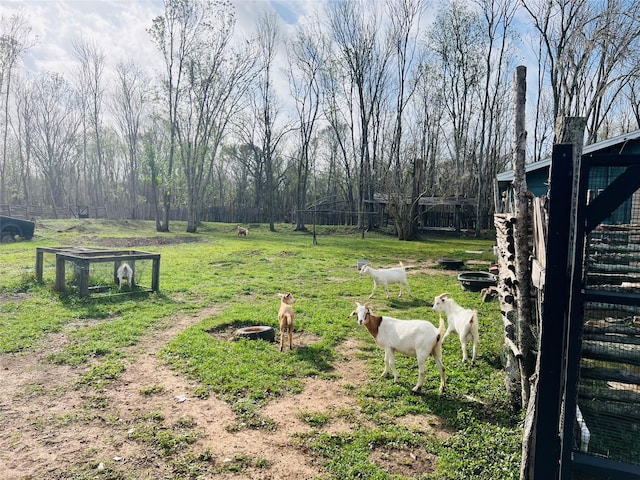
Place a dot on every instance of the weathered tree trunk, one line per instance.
(524, 335)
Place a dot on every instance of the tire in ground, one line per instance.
(260, 332)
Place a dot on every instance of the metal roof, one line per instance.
(594, 147)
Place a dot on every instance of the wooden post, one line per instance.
(39, 264)
(60, 274)
(524, 334)
(525, 340)
(155, 274)
(82, 268)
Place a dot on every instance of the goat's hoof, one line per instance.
(416, 389)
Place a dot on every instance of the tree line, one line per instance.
(397, 98)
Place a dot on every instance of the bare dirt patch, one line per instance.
(123, 242)
(52, 428)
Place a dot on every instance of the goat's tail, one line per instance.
(474, 323)
(441, 330)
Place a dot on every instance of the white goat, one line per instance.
(285, 318)
(416, 338)
(125, 272)
(385, 276)
(463, 320)
(243, 232)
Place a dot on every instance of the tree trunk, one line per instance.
(525, 337)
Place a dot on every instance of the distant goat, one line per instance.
(125, 272)
(463, 320)
(385, 276)
(285, 318)
(243, 232)
(416, 338)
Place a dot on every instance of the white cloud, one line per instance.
(118, 28)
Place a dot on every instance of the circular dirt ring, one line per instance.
(258, 332)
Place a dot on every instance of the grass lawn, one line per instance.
(242, 276)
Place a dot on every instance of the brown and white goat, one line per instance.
(415, 338)
(285, 318)
(243, 232)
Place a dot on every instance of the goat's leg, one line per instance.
(281, 338)
(446, 334)
(475, 349)
(391, 361)
(408, 288)
(375, 285)
(386, 364)
(440, 365)
(421, 361)
(400, 294)
(290, 336)
(463, 344)
(386, 289)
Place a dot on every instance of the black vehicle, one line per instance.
(13, 228)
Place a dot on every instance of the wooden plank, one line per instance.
(538, 274)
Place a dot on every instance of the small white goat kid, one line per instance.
(416, 338)
(385, 276)
(285, 318)
(463, 320)
(124, 272)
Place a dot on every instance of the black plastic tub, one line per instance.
(476, 281)
(451, 263)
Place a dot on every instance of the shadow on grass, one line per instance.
(316, 356)
(456, 411)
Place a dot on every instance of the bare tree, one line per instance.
(268, 37)
(175, 34)
(54, 126)
(340, 135)
(404, 188)
(306, 54)
(632, 94)
(24, 105)
(497, 17)
(91, 91)
(457, 42)
(15, 39)
(130, 103)
(591, 49)
(355, 31)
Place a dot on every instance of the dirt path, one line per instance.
(49, 426)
